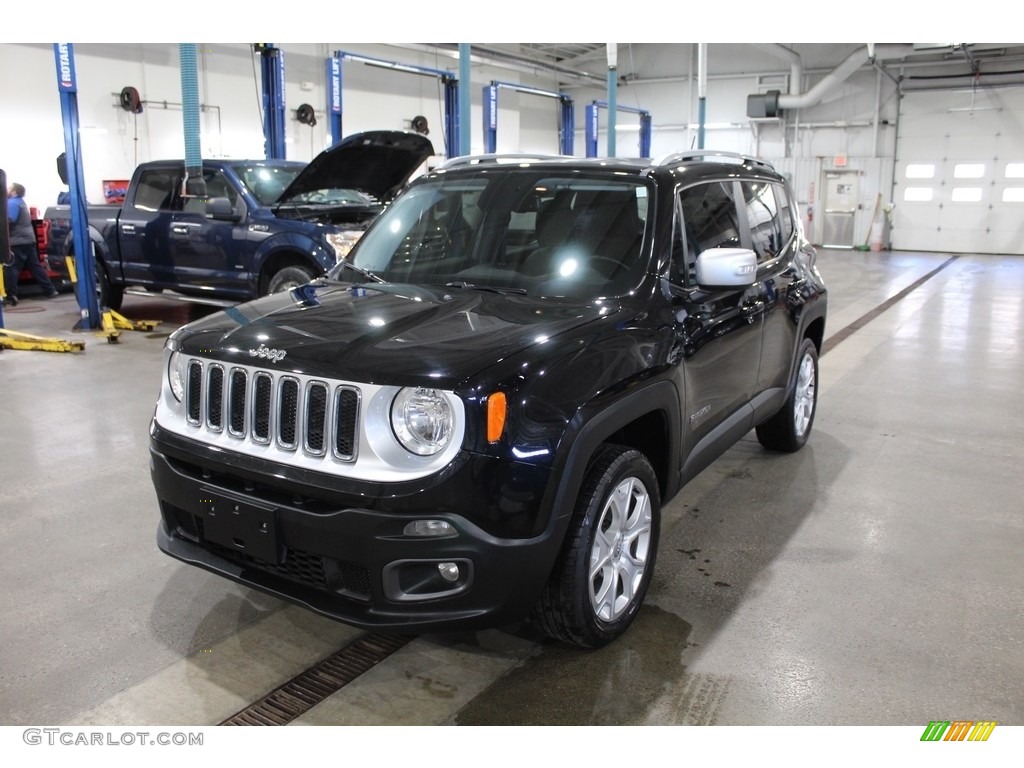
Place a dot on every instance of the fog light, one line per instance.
(432, 528)
(449, 572)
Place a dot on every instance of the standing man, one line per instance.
(23, 247)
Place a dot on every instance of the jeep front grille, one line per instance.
(264, 407)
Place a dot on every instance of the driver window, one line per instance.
(217, 186)
(708, 219)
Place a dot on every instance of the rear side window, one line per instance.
(155, 190)
(708, 219)
(763, 218)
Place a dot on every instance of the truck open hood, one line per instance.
(378, 163)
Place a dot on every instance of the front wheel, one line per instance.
(602, 575)
(789, 428)
(287, 278)
(108, 296)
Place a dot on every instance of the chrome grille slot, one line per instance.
(316, 417)
(346, 413)
(215, 398)
(194, 392)
(236, 402)
(262, 398)
(262, 408)
(287, 412)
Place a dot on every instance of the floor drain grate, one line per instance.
(306, 690)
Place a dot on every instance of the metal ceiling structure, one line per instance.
(586, 63)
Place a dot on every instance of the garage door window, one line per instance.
(918, 194)
(968, 170)
(920, 171)
(1015, 170)
(1013, 195)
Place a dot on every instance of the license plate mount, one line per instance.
(241, 526)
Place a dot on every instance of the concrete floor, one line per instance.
(874, 578)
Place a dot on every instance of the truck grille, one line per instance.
(316, 417)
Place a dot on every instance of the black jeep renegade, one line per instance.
(477, 416)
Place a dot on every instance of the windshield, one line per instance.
(267, 182)
(518, 230)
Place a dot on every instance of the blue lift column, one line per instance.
(593, 123)
(448, 79)
(85, 260)
(272, 68)
(334, 98)
(567, 115)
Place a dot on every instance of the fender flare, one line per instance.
(587, 432)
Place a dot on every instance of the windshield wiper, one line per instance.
(491, 288)
(363, 272)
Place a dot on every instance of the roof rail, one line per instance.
(498, 159)
(713, 156)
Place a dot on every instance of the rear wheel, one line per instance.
(600, 580)
(788, 429)
(288, 277)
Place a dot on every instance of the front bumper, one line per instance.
(341, 549)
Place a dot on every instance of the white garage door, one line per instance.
(960, 172)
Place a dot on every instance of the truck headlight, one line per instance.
(342, 242)
(422, 420)
(176, 375)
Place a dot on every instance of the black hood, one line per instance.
(384, 334)
(378, 163)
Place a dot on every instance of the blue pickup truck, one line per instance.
(262, 227)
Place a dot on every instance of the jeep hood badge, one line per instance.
(274, 355)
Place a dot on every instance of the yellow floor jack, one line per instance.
(15, 340)
(111, 322)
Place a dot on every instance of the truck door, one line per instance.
(209, 253)
(143, 226)
(718, 330)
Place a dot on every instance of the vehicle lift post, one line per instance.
(448, 79)
(67, 84)
(566, 123)
(592, 126)
(272, 68)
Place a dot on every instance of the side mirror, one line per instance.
(219, 208)
(727, 268)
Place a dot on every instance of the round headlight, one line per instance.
(176, 375)
(422, 420)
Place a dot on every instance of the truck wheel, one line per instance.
(287, 278)
(601, 577)
(109, 296)
(789, 428)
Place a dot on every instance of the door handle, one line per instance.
(179, 229)
(128, 229)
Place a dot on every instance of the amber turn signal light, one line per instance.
(496, 409)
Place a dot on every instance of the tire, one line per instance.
(287, 278)
(789, 428)
(108, 296)
(614, 527)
